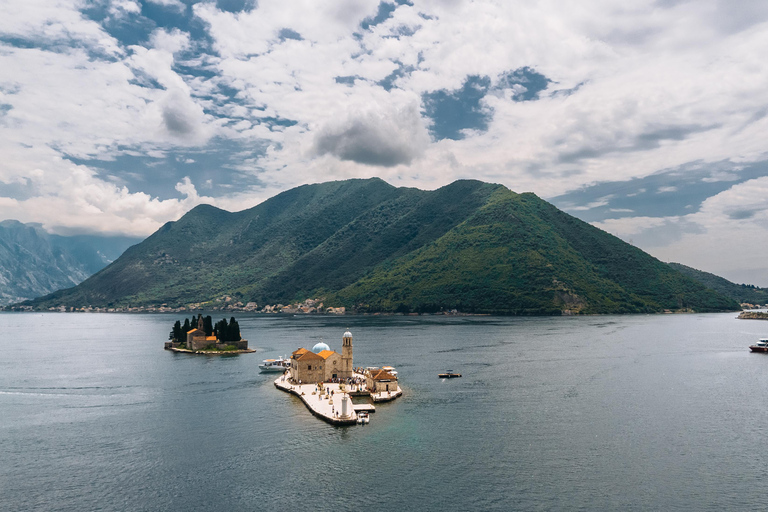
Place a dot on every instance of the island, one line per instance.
(206, 338)
(325, 381)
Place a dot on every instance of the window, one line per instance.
(309, 367)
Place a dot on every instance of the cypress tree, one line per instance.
(208, 325)
(176, 332)
(221, 330)
(233, 330)
(186, 328)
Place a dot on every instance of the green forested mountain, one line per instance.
(367, 245)
(738, 292)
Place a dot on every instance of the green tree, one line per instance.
(175, 332)
(233, 330)
(208, 325)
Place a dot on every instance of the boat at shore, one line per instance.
(760, 346)
(275, 365)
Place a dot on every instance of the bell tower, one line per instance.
(346, 355)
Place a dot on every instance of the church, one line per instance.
(321, 363)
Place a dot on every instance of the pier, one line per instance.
(325, 402)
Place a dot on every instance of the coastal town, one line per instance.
(327, 381)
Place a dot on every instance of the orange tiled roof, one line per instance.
(382, 375)
(300, 351)
(307, 356)
(325, 354)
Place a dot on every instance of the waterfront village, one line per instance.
(223, 303)
(326, 381)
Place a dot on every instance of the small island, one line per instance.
(321, 375)
(206, 338)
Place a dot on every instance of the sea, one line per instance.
(656, 412)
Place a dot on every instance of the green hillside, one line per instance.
(520, 255)
(738, 292)
(472, 246)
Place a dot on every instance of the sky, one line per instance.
(647, 119)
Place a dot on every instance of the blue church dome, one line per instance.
(320, 347)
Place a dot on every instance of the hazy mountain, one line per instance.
(366, 244)
(738, 292)
(35, 263)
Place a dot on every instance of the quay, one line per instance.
(324, 400)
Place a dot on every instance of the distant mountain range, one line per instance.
(35, 263)
(364, 244)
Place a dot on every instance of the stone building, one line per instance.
(378, 381)
(321, 363)
(196, 338)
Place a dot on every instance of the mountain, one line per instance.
(738, 292)
(365, 244)
(35, 263)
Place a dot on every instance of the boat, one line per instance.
(363, 418)
(390, 370)
(275, 365)
(448, 375)
(760, 346)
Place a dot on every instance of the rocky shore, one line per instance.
(753, 315)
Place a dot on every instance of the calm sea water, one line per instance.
(595, 413)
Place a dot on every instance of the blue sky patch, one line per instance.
(212, 170)
(532, 81)
(452, 112)
(664, 194)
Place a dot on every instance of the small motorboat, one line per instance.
(760, 346)
(275, 365)
(450, 374)
(363, 418)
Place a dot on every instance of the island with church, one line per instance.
(326, 381)
(206, 338)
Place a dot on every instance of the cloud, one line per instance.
(172, 4)
(379, 138)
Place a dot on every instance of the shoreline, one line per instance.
(211, 352)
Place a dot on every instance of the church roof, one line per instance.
(196, 331)
(300, 351)
(307, 356)
(319, 347)
(325, 354)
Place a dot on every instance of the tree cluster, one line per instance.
(227, 331)
(179, 331)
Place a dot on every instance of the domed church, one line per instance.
(321, 363)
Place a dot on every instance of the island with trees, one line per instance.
(201, 336)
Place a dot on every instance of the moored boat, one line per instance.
(760, 346)
(275, 365)
(363, 418)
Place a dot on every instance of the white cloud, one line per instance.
(173, 4)
(643, 87)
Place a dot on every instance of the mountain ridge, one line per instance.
(370, 246)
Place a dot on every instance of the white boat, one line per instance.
(275, 365)
(363, 418)
(390, 370)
